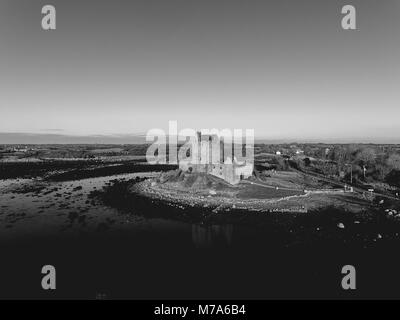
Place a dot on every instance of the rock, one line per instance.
(379, 236)
(340, 225)
(357, 222)
(213, 192)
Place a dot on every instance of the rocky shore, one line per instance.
(229, 199)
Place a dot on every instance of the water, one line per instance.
(150, 252)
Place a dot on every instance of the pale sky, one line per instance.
(283, 68)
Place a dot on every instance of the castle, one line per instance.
(212, 156)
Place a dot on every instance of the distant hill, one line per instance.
(54, 138)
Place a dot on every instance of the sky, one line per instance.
(283, 68)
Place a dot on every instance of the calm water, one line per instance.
(143, 255)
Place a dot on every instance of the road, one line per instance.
(355, 189)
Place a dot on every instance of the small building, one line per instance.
(20, 149)
(327, 150)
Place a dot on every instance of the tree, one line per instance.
(382, 171)
(366, 156)
(394, 161)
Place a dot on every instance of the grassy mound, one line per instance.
(194, 181)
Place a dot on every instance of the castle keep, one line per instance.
(209, 154)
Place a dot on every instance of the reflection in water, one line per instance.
(207, 236)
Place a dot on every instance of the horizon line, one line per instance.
(119, 138)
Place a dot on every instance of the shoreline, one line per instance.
(302, 203)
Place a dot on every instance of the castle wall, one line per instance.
(210, 159)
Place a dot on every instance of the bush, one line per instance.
(393, 178)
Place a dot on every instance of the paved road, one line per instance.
(356, 189)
